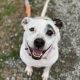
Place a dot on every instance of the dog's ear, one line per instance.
(25, 21)
(58, 23)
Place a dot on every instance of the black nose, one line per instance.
(39, 43)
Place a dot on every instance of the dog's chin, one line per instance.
(37, 53)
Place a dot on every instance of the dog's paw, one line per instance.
(29, 70)
(45, 76)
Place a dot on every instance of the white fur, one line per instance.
(40, 24)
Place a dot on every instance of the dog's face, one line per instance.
(40, 33)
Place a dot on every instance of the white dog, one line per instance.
(40, 43)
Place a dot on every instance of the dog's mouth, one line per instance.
(36, 53)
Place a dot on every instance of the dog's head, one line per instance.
(41, 33)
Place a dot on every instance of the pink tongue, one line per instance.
(37, 52)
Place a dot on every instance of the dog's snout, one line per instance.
(39, 43)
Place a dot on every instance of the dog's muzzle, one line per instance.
(37, 53)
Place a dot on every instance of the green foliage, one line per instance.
(1, 78)
(8, 10)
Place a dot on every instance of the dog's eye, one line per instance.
(31, 29)
(49, 33)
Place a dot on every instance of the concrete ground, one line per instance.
(11, 31)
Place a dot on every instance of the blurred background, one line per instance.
(12, 12)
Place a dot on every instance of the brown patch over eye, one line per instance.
(50, 30)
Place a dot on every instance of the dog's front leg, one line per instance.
(29, 70)
(45, 74)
